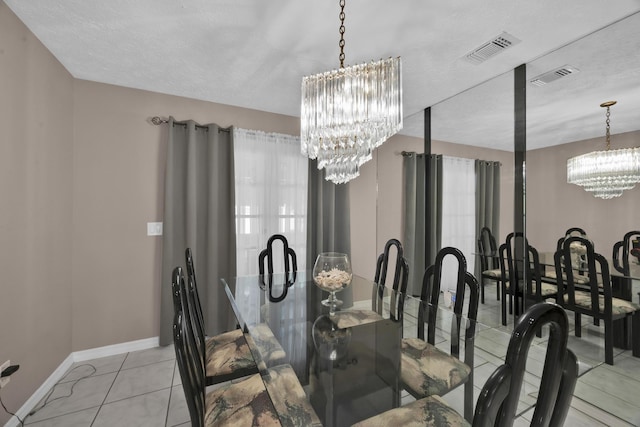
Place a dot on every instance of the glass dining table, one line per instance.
(349, 363)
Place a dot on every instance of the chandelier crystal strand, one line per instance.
(349, 112)
(608, 173)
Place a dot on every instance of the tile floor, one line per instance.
(143, 388)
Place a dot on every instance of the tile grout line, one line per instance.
(109, 391)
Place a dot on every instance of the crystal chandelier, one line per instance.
(347, 113)
(606, 173)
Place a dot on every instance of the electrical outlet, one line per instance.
(4, 381)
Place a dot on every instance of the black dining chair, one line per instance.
(623, 251)
(400, 276)
(489, 262)
(498, 400)
(578, 257)
(525, 286)
(221, 405)
(227, 356)
(273, 398)
(267, 256)
(598, 301)
(427, 370)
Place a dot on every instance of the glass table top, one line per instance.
(348, 364)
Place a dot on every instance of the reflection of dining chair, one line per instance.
(400, 276)
(227, 355)
(426, 369)
(623, 251)
(598, 302)
(288, 256)
(578, 256)
(489, 263)
(525, 284)
(498, 398)
(274, 398)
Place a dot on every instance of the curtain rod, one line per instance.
(159, 121)
(413, 153)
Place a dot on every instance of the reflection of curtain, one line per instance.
(458, 214)
(198, 213)
(271, 197)
(328, 222)
(415, 229)
(487, 200)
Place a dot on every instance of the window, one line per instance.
(271, 195)
(458, 213)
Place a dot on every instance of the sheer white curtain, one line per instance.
(271, 196)
(458, 214)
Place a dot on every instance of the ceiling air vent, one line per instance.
(553, 75)
(493, 47)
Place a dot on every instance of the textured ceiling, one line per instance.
(254, 54)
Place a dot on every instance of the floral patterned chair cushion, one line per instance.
(619, 306)
(578, 279)
(428, 412)
(349, 318)
(289, 398)
(268, 345)
(244, 403)
(227, 353)
(426, 370)
(495, 273)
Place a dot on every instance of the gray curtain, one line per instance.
(419, 254)
(328, 222)
(487, 200)
(199, 213)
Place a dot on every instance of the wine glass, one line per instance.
(332, 273)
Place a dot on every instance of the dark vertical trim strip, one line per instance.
(428, 211)
(520, 148)
(520, 161)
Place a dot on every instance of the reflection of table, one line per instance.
(346, 378)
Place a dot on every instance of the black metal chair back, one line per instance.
(192, 289)
(488, 250)
(401, 272)
(622, 252)
(430, 295)
(188, 356)
(400, 280)
(498, 399)
(428, 311)
(290, 261)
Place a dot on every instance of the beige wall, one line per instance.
(117, 189)
(36, 173)
(553, 206)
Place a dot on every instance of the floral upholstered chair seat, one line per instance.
(243, 403)
(268, 345)
(619, 306)
(427, 371)
(227, 353)
(428, 412)
(289, 398)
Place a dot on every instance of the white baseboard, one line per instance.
(78, 356)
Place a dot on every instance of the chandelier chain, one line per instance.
(341, 30)
(608, 134)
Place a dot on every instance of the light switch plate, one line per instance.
(154, 229)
